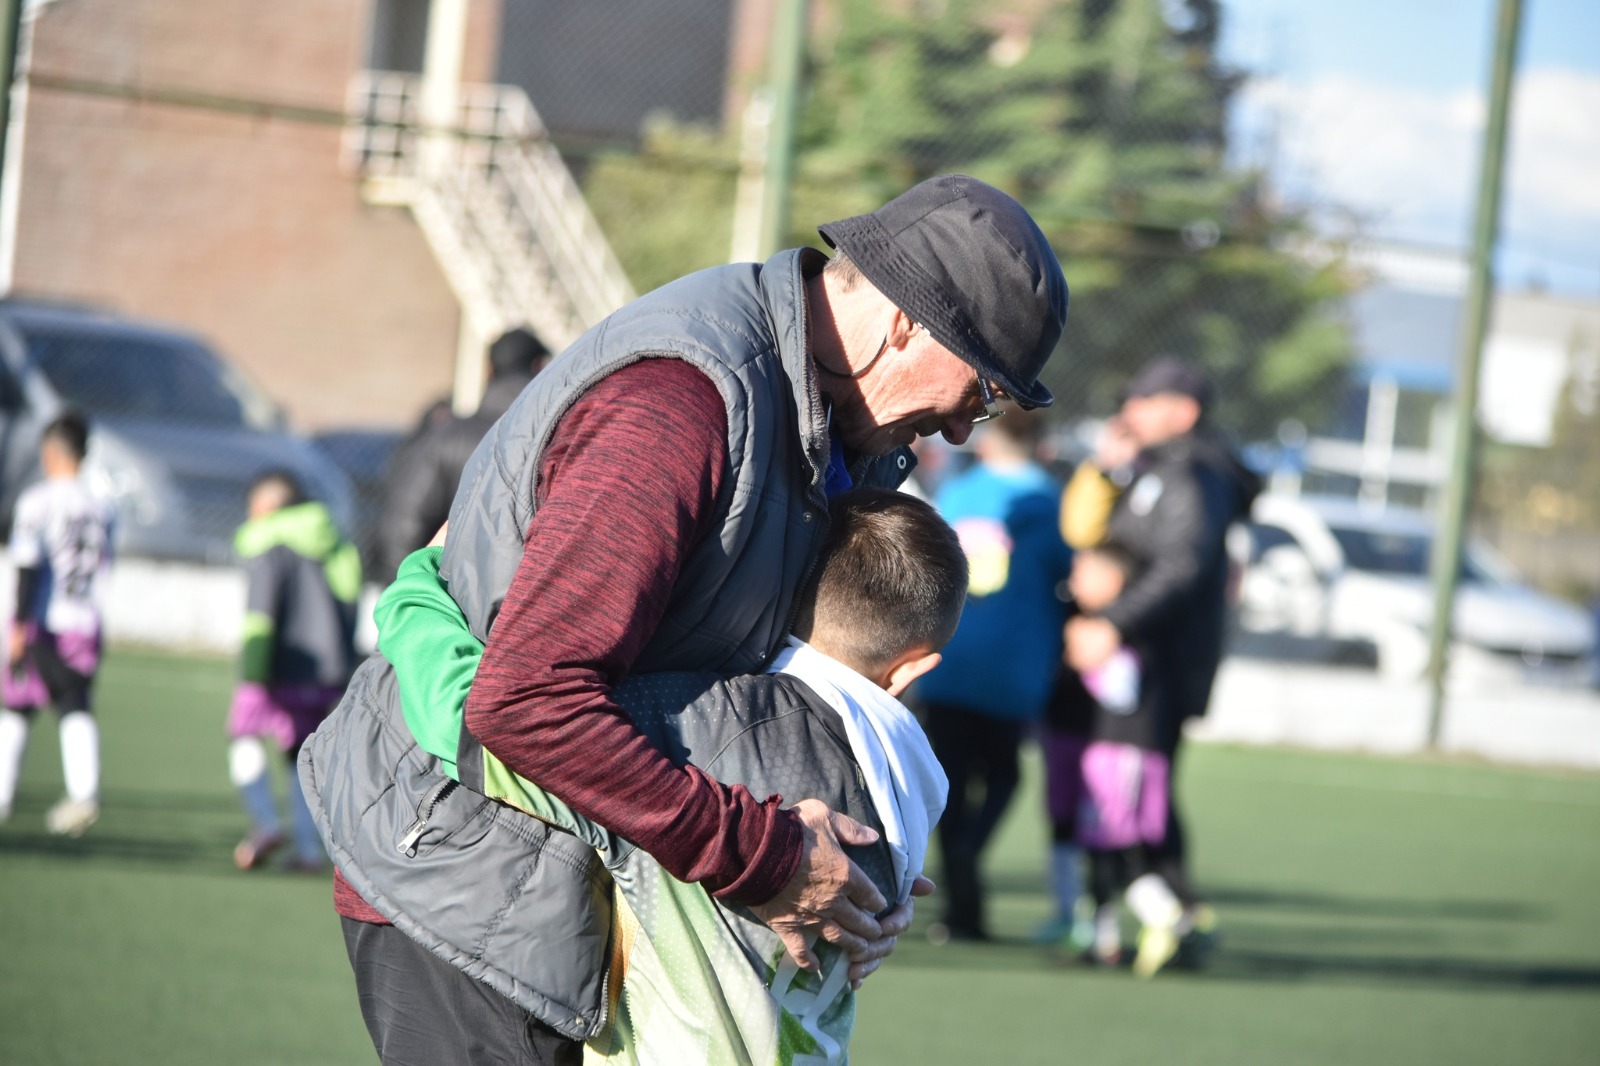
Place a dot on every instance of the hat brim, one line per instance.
(917, 293)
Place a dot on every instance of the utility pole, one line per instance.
(788, 52)
(10, 36)
(1480, 291)
(10, 140)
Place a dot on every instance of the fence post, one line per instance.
(1480, 291)
(788, 50)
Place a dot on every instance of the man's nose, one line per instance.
(957, 430)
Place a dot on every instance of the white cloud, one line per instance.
(1406, 161)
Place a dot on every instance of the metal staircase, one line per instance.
(495, 201)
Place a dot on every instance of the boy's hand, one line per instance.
(828, 896)
(894, 923)
(1091, 642)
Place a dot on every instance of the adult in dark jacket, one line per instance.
(656, 500)
(1188, 488)
(425, 470)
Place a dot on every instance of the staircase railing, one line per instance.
(495, 201)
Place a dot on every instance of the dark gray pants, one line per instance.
(421, 1011)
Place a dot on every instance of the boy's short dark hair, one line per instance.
(892, 578)
(69, 429)
(284, 481)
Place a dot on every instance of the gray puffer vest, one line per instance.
(745, 327)
(523, 906)
(508, 900)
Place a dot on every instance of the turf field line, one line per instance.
(1450, 791)
(120, 673)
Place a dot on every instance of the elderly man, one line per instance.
(655, 500)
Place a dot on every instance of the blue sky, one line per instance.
(1371, 113)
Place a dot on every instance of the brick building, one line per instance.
(147, 186)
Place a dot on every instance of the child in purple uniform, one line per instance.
(1125, 783)
(60, 546)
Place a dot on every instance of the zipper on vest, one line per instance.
(408, 843)
(605, 1000)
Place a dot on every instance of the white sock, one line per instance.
(247, 768)
(13, 744)
(1152, 902)
(307, 841)
(80, 756)
(1066, 878)
(1107, 928)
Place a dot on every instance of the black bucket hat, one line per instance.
(967, 262)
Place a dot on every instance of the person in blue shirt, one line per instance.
(1001, 665)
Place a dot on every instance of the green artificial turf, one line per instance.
(1373, 911)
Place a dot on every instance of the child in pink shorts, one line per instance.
(1125, 779)
(299, 651)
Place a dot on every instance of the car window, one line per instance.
(1408, 554)
(1382, 553)
(10, 389)
(1265, 536)
(147, 377)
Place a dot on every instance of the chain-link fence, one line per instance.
(198, 164)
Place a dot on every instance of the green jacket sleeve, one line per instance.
(425, 637)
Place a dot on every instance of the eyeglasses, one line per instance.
(987, 395)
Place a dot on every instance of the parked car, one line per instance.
(1334, 570)
(177, 434)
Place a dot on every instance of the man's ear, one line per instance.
(901, 328)
(907, 668)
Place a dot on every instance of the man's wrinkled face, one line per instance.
(1157, 419)
(914, 391)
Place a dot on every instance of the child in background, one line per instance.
(1125, 780)
(298, 655)
(1085, 510)
(60, 546)
(701, 981)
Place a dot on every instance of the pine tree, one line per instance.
(1107, 118)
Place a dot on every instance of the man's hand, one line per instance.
(1091, 642)
(828, 895)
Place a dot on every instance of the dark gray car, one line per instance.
(176, 434)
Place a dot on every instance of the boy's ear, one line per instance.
(909, 667)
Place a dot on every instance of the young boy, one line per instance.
(60, 546)
(1125, 780)
(297, 656)
(693, 980)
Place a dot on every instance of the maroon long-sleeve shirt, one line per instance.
(627, 487)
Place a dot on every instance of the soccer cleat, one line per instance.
(1053, 931)
(71, 818)
(1077, 932)
(1198, 937)
(255, 849)
(1158, 944)
(1105, 940)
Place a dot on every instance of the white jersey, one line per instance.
(64, 531)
